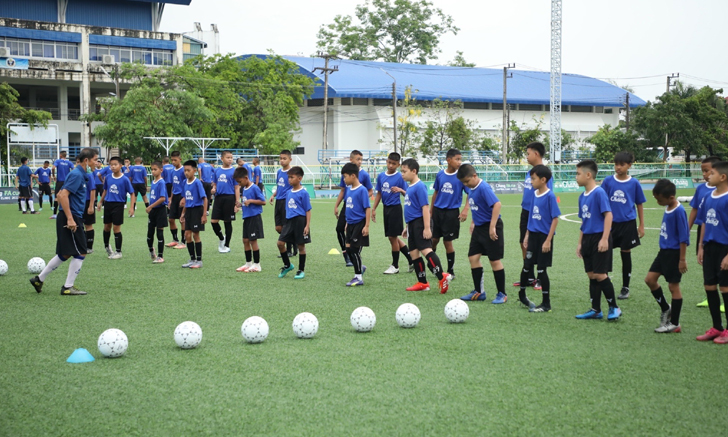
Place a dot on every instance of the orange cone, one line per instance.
(558, 199)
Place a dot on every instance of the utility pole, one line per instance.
(667, 136)
(555, 76)
(626, 118)
(504, 145)
(326, 71)
(394, 108)
(116, 80)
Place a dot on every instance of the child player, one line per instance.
(194, 214)
(624, 193)
(595, 241)
(670, 261)
(281, 192)
(23, 182)
(539, 238)
(99, 174)
(297, 228)
(697, 200)
(157, 213)
(418, 232)
(116, 187)
(126, 170)
(61, 168)
(139, 182)
(89, 211)
(355, 157)
(358, 215)
(487, 235)
(175, 206)
(227, 195)
(257, 178)
(252, 202)
(207, 173)
(43, 174)
(167, 172)
(390, 187)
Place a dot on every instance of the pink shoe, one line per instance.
(243, 268)
(710, 334)
(445, 282)
(180, 246)
(722, 338)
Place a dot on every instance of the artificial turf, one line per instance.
(504, 371)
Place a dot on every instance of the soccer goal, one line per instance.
(37, 143)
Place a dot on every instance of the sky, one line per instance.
(636, 43)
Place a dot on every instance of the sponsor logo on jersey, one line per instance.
(407, 201)
(447, 188)
(386, 188)
(619, 197)
(114, 189)
(536, 213)
(292, 204)
(473, 206)
(711, 217)
(585, 214)
(349, 203)
(663, 231)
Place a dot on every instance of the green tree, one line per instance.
(609, 140)
(445, 128)
(408, 130)
(521, 136)
(459, 61)
(388, 30)
(12, 112)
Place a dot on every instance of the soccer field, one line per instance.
(503, 372)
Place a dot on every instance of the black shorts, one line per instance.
(534, 254)
(279, 214)
(89, 219)
(158, 217)
(341, 221)
(354, 236)
(170, 187)
(70, 243)
(193, 219)
(253, 228)
(175, 209)
(114, 213)
(140, 189)
(482, 244)
(262, 188)
(713, 254)
(523, 225)
(697, 240)
(415, 239)
(625, 235)
(59, 185)
(393, 220)
(595, 261)
(446, 224)
(224, 207)
(99, 190)
(667, 264)
(45, 189)
(293, 231)
(25, 192)
(208, 190)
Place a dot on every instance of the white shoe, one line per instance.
(109, 252)
(392, 270)
(221, 246)
(225, 249)
(254, 268)
(244, 267)
(125, 206)
(188, 264)
(89, 251)
(115, 255)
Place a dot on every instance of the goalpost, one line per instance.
(37, 143)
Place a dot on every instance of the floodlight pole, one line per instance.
(555, 107)
(504, 146)
(326, 71)
(394, 108)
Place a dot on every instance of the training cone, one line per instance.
(334, 252)
(558, 199)
(22, 225)
(80, 355)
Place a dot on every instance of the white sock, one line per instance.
(359, 277)
(52, 265)
(73, 270)
(22, 204)
(30, 204)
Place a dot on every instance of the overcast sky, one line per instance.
(635, 42)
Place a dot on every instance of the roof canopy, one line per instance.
(176, 2)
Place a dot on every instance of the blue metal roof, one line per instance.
(366, 79)
(176, 2)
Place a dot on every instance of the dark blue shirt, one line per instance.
(178, 180)
(414, 200)
(224, 181)
(206, 172)
(194, 194)
(714, 213)
(592, 206)
(157, 191)
(282, 183)
(63, 167)
(449, 190)
(90, 186)
(24, 173)
(544, 210)
(117, 188)
(624, 195)
(44, 175)
(138, 174)
(75, 184)
(528, 191)
(364, 179)
(297, 203)
(98, 174)
(167, 170)
(254, 193)
(674, 230)
(357, 202)
(481, 201)
(701, 191)
(257, 175)
(385, 183)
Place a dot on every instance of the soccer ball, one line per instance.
(113, 343)
(408, 315)
(188, 335)
(36, 265)
(457, 311)
(363, 319)
(305, 325)
(3, 267)
(255, 329)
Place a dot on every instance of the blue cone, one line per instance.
(80, 355)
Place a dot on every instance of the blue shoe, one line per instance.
(285, 270)
(500, 298)
(591, 314)
(355, 282)
(474, 295)
(614, 313)
(300, 275)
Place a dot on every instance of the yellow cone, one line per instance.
(334, 252)
(22, 225)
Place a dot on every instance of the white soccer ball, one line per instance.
(408, 315)
(188, 335)
(3, 268)
(457, 311)
(255, 329)
(305, 325)
(36, 265)
(363, 319)
(113, 343)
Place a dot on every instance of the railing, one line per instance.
(213, 156)
(55, 112)
(74, 114)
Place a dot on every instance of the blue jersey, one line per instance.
(126, 171)
(282, 183)
(674, 230)
(624, 195)
(63, 167)
(714, 213)
(24, 175)
(98, 174)
(414, 200)
(364, 179)
(252, 192)
(257, 175)
(481, 201)
(206, 172)
(250, 169)
(194, 194)
(701, 191)
(117, 188)
(592, 206)
(449, 190)
(157, 191)
(44, 175)
(75, 184)
(138, 174)
(106, 172)
(167, 171)
(527, 201)
(357, 202)
(224, 181)
(544, 210)
(385, 183)
(297, 203)
(178, 180)
(90, 186)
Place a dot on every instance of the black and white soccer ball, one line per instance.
(36, 265)
(3, 268)
(363, 319)
(305, 325)
(113, 343)
(408, 315)
(254, 329)
(457, 311)
(188, 335)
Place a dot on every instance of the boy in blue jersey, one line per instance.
(297, 228)
(175, 206)
(126, 170)
(99, 174)
(157, 213)
(624, 193)
(700, 192)
(355, 157)
(257, 178)
(139, 182)
(167, 170)
(89, 211)
(713, 250)
(252, 202)
(207, 174)
(61, 168)
(390, 187)
(670, 261)
(418, 231)
(280, 193)
(194, 214)
(23, 181)
(358, 215)
(71, 239)
(487, 235)
(43, 174)
(227, 197)
(116, 188)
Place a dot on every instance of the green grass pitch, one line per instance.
(503, 372)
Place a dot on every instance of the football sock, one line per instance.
(543, 277)
(150, 237)
(256, 256)
(660, 298)
(714, 307)
(355, 258)
(595, 295)
(198, 249)
(160, 242)
(175, 236)
(523, 284)
(218, 231)
(420, 270)
(626, 268)
(74, 268)
(500, 280)
(531, 275)
(90, 234)
(52, 265)
(676, 307)
(191, 251)
(117, 241)
(30, 205)
(477, 279)
(146, 204)
(302, 262)
(450, 261)
(248, 256)
(228, 233)
(107, 238)
(55, 207)
(395, 258)
(607, 289)
(289, 248)
(404, 250)
(433, 262)
(22, 205)
(285, 259)
(340, 235)
(40, 201)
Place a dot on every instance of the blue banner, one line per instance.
(13, 63)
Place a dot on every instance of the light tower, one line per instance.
(555, 138)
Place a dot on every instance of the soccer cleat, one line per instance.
(591, 314)
(196, 265)
(109, 251)
(40, 209)
(411, 268)
(221, 246)
(37, 284)
(419, 286)
(132, 216)
(355, 282)
(89, 251)
(225, 250)
(285, 270)
(669, 328)
(244, 267)
(703, 304)
(153, 254)
(624, 294)
(474, 295)
(26, 212)
(444, 283)
(664, 318)
(363, 269)
(71, 291)
(537, 285)
(499, 298)
(52, 217)
(255, 268)
(34, 212)
(188, 264)
(158, 260)
(614, 313)
(540, 309)
(172, 244)
(347, 260)
(722, 338)
(531, 283)
(709, 335)
(392, 270)
(452, 275)
(115, 255)
(526, 302)
(180, 246)
(300, 275)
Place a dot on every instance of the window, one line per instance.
(40, 49)
(37, 49)
(125, 54)
(476, 105)
(599, 109)
(186, 47)
(576, 108)
(496, 106)
(382, 102)
(360, 102)
(299, 151)
(527, 107)
(608, 110)
(346, 101)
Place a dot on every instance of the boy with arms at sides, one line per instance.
(157, 213)
(355, 157)
(252, 202)
(297, 228)
(193, 217)
(139, 182)
(358, 215)
(89, 211)
(61, 168)
(207, 174)
(670, 261)
(175, 206)
(126, 170)
(445, 207)
(418, 232)
(624, 193)
(99, 174)
(71, 240)
(280, 194)
(167, 172)
(116, 187)
(539, 238)
(227, 195)
(697, 200)
(258, 175)
(595, 241)
(390, 187)
(43, 174)
(23, 181)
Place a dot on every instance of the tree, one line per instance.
(408, 135)
(402, 31)
(522, 136)
(459, 61)
(11, 111)
(568, 143)
(446, 128)
(608, 141)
